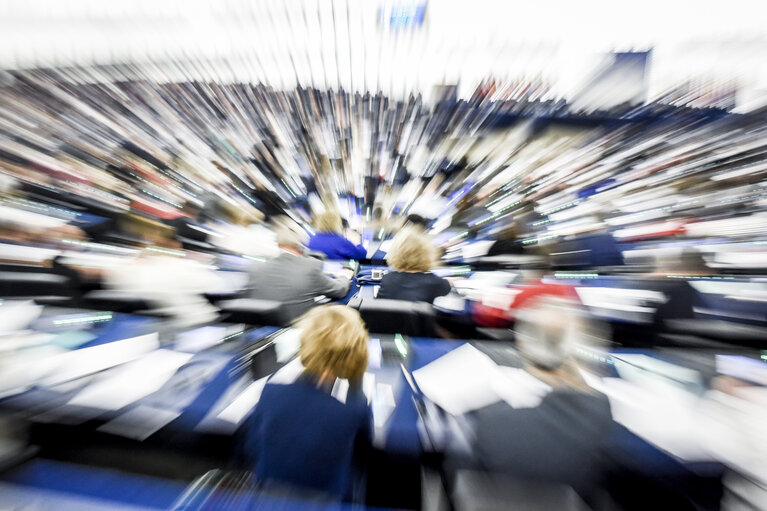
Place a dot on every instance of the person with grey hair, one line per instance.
(292, 278)
(562, 439)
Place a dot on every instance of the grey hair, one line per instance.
(548, 331)
(290, 235)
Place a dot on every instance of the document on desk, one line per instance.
(643, 368)
(130, 382)
(17, 315)
(518, 388)
(140, 422)
(198, 339)
(79, 363)
(24, 339)
(244, 403)
(383, 404)
(460, 381)
(286, 344)
(664, 415)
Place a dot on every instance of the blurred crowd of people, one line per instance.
(114, 177)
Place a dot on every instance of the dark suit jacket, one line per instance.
(562, 440)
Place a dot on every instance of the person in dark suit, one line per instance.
(563, 439)
(293, 278)
(507, 243)
(330, 241)
(593, 247)
(304, 436)
(412, 255)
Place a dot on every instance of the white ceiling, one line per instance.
(341, 43)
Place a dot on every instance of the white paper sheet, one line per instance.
(79, 363)
(666, 417)
(519, 388)
(369, 385)
(289, 373)
(375, 353)
(199, 338)
(244, 403)
(17, 315)
(139, 423)
(128, 383)
(340, 389)
(460, 381)
(286, 344)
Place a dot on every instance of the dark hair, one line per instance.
(417, 220)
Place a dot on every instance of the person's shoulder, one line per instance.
(392, 276)
(585, 402)
(311, 262)
(437, 280)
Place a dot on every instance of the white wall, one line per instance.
(328, 43)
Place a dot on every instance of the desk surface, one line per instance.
(217, 375)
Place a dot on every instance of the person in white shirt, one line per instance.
(247, 235)
(168, 278)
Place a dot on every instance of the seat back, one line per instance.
(31, 284)
(474, 491)
(255, 312)
(383, 316)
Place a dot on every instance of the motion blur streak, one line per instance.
(579, 189)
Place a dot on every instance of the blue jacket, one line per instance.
(336, 246)
(302, 436)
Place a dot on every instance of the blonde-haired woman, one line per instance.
(330, 240)
(411, 256)
(303, 432)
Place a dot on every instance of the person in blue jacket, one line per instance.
(304, 434)
(330, 241)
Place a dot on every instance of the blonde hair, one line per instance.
(333, 340)
(243, 215)
(412, 251)
(328, 221)
(145, 228)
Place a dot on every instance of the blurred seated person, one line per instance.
(247, 235)
(411, 257)
(592, 247)
(292, 277)
(18, 226)
(188, 225)
(500, 311)
(329, 238)
(730, 426)
(673, 271)
(563, 439)
(301, 435)
(165, 275)
(507, 242)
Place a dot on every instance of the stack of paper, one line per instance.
(466, 379)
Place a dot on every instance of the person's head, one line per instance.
(510, 232)
(418, 221)
(192, 210)
(243, 216)
(328, 222)
(290, 238)
(686, 261)
(334, 343)
(412, 251)
(546, 331)
(150, 231)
